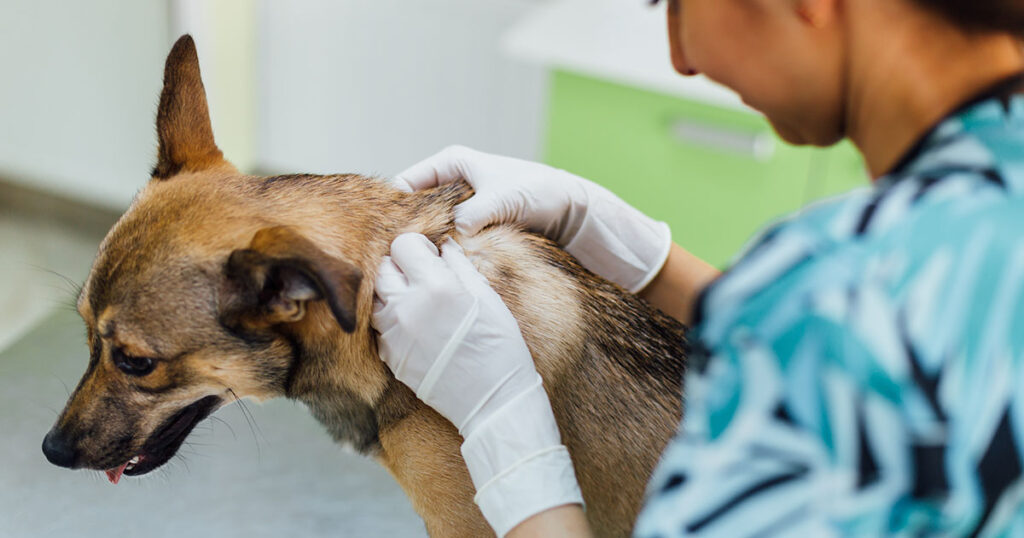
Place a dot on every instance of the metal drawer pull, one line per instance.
(755, 145)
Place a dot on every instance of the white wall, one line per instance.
(79, 83)
(372, 86)
(225, 35)
(299, 86)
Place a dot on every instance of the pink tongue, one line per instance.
(114, 475)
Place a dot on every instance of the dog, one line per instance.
(216, 286)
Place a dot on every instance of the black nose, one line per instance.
(58, 450)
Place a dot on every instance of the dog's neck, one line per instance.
(340, 376)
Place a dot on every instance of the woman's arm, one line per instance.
(680, 281)
(562, 521)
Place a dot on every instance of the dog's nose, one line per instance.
(58, 450)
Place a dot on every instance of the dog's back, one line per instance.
(614, 377)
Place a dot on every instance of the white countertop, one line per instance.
(622, 41)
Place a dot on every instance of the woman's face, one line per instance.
(784, 57)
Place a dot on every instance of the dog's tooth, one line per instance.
(134, 460)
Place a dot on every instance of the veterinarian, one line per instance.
(856, 370)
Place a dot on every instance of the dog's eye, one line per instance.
(137, 366)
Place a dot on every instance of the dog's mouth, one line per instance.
(164, 443)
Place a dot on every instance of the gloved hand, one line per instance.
(447, 335)
(607, 235)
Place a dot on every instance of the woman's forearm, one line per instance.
(680, 281)
(565, 521)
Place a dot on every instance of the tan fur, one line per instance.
(436, 478)
(240, 286)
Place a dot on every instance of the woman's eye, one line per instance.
(137, 366)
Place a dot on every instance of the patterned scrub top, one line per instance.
(860, 369)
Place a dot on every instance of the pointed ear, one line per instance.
(183, 119)
(279, 274)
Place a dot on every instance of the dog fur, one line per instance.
(240, 286)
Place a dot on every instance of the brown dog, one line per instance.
(216, 286)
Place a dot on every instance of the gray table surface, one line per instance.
(283, 478)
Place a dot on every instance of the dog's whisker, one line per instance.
(252, 423)
(63, 304)
(194, 444)
(67, 389)
(247, 411)
(180, 458)
(206, 428)
(226, 424)
(73, 287)
(165, 472)
(194, 453)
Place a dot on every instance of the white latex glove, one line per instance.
(607, 235)
(447, 335)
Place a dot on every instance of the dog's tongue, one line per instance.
(114, 475)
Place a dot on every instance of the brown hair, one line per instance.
(983, 15)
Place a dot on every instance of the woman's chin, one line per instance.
(801, 135)
(788, 133)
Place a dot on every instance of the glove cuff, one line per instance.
(518, 463)
(618, 242)
(543, 482)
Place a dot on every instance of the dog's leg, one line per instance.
(422, 452)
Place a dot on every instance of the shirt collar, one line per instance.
(1001, 91)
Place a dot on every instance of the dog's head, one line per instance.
(190, 301)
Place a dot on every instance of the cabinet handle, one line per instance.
(759, 146)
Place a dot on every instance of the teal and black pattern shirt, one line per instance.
(862, 371)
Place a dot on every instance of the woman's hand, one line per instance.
(604, 233)
(447, 335)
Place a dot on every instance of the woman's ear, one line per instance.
(274, 279)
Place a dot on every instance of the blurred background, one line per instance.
(326, 86)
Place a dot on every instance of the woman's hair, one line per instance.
(992, 15)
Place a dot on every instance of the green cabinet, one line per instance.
(714, 174)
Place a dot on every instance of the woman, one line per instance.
(858, 361)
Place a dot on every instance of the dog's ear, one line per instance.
(183, 119)
(279, 273)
